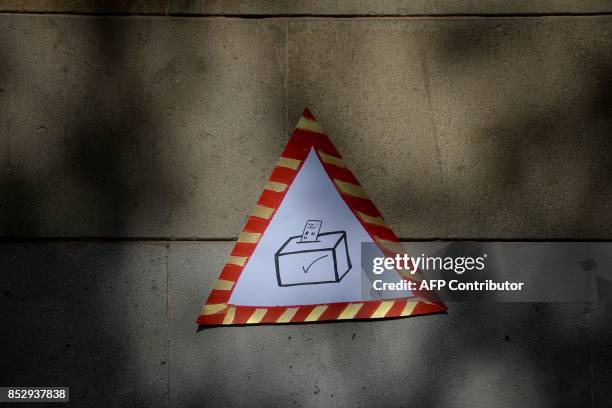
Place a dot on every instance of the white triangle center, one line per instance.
(286, 270)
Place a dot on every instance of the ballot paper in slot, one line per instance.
(309, 259)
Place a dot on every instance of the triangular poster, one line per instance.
(298, 258)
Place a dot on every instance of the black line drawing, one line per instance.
(313, 258)
(313, 262)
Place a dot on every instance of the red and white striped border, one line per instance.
(308, 134)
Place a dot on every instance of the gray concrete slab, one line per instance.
(137, 126)
(101, 318)
(494, 128)
(480, 128)
(494, 355)
(384, 7)
(196, 370)
(91, 316)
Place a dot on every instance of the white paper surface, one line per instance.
(311, 196)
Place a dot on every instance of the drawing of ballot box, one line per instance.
(325, 260)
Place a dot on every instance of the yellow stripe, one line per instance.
(382, 310)
(350, 311)
(336, 161)
(351, 189)
(274, 186)
(410, 305)
(372, 220)
(315, 313)
(307, 124)
(287, 315)
(237, 260)
(249, 237)
(223, 285)
(262, 212)
(257, 315)
(229, 317)
(212, 309)
(289, 163)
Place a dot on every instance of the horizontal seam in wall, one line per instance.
(314, 16)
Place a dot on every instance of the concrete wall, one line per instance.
(133, 147)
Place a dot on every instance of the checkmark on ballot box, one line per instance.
(313, 257)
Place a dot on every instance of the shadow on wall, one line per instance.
(551, 131)
(68, 314)
(547, 139)
(502, 123)
(543, 148)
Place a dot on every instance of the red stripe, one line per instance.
(308, 115)
(421, 308)
(367, 309)
(440, 304)
(256, 224)
(340, 173)
(213, 319)
(328, 148)
(425, 308)
(308, 139)
(396, 309)
(243, 249)
(302, 141)
(380, 232)
(333, 311)
(302, 313)
(296, 151)
(218, 296)
(242, 314)
(361, 204)
(283, 175)
(316, 140)
(270, 199)
(230, 272)
(273, 314)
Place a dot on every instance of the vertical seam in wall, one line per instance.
(430, 107)
(590, 350)
(168, 251)
(286, 78)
